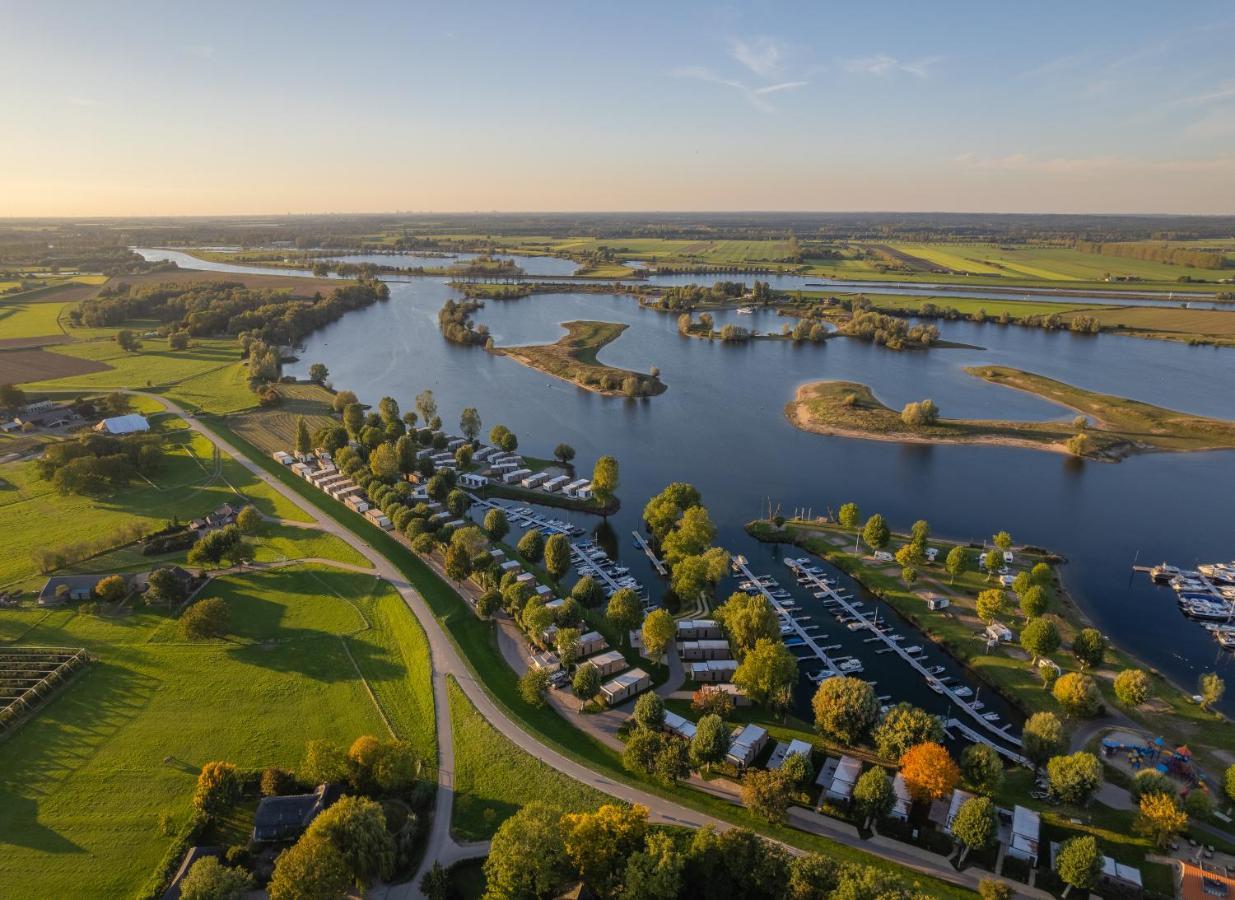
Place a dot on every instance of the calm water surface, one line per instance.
(721, 426)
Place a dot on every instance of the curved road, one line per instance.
(447, 662)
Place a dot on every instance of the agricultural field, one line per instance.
(32, 319)
(33, 516)
(494, 778)
(274, 428)
(93, 787)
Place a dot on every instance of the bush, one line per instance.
(205, 619)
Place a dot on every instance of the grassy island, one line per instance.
(1117, 426)
(573, 358)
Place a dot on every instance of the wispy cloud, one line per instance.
(882, 65)
(1226, 91)
(756, 96)
(1095, 165)
(762, 55)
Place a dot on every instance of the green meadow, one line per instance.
(93, 787)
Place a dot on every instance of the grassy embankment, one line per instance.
(1118, 426)
(573, 358)
(95, 786)
(477, 644)
(1006, 667)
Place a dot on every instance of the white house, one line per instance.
(1023, 841)
(844, 778)
(746, 745)
(120, 425)
(679, 725)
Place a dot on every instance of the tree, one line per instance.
(1033, 601)
(209, 879)
(1039, 638)
(738, 863)
(650, 711)
(768, 673)
(711, 742)
(766, 794)
(1132, 687)
(469, 423)
(164, 587)
(872, 794)
(353, 420)
(624, 612)
(342, 400)
(527, 857)
(12, 398)
(848, 516)
(975, 825)
(426, 405)
(566, 642)
(304, 443)
(1075, 778)
(1199, 804)
(218, 787)
(533, 687)
(876, 533)
(458, 563)
(919, 532)
(916, 415)
(249, 520)
(311, 869)
(532, 546)
(929, 771)
(1003, 541)
(661, 513)
(457, 502)
(797, 770)
(384, 462)
(845, 709)
(1079, 862)
(586, 684)
(746, 618)
(1212, 687)
(1043, 737)
(564, 453)
(587, 593)
(956, 562)
(992, 561)
(436, 883)
(1160, 817)
(112, 589)
(599, 843)
(656, 871)
(812, 877)
(1089, 646)
(1078, 695)
(496, 524)
(659, 630)
(557, 555)
(1228, 782)
(323, 763)
(982, 768)
(318, 373)
(205, 619)
(1149, 781)
(903, 726)
(990, 605)
(356, 827)
(276, 782)
(692, 535)
(605, 479)
(1041, 574)
(128, 341)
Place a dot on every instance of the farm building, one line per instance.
(625, 686)
(286, 818)
(120, 425)
(80, 587)
(608, 662)
(698, 630)
(745, 746)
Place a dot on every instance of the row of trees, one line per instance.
(96, 463)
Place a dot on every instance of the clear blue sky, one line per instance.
(171, 108)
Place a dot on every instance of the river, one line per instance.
(721, 426)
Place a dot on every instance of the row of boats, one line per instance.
(526, 517)
(589, 558)
(1206, 593)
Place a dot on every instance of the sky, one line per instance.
(133, 108)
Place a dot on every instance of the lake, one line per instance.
(721, 426)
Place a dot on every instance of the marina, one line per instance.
(1205, 594)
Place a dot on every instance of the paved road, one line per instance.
(447, 662)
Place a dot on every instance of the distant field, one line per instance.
(275, 428)
(20, 320)
(82, 785)
(25, 366)
(297, 286)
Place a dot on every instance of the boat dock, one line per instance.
(977, 738)
(525, 517)
(740, 565)
(911, 655)
(643, 545)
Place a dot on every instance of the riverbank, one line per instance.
(573, 358)
(1117, 427)
(1005, 667)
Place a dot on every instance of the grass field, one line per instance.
(23, 320)
(82, 785)
(494, 778)
(274, 428)
(1118, 426)
(34, 516)
(573, 358)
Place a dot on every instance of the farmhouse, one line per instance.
(286, 818)
(119, 425)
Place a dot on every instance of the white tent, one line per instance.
(130, 424)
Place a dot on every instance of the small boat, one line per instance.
(857, 625)
(745, 311)
(965, 691)
(991, 716)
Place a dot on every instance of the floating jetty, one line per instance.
(643, 545)
(808, 640)
(804, 570)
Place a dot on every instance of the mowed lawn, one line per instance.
(33, 516)
(494, 778)
(83, 784)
